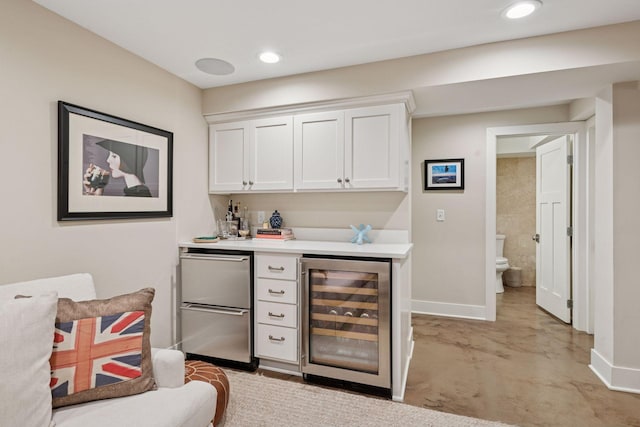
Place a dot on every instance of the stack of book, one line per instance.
(275, 233)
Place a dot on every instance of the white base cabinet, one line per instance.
(277, 334)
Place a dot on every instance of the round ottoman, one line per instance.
(196, 370)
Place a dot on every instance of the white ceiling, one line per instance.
(316, 35)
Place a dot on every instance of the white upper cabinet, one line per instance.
(372, 148)
(359, 144)
(252, 155)
(271, 155)
(228, 157)
(355, 149)
(319, 150)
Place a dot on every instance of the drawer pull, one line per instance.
(271, 268)
(280, 292)
(281, 315)
(348, 314)
(272, 338)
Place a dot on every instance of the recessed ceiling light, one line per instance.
(269, 57)
(215, 66)
(521, 9)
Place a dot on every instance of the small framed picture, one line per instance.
(111, 168)
(445, 174)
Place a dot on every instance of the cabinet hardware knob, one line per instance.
(250, 182)
(281, 315)
(280, 292)
(339, 180)
(272, 338)
(244, 182)
(276, 268)
(347, 180)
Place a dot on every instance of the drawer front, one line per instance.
(201, 333)
(273, 313)
(276, 342)
(274, 290)
(277, 267)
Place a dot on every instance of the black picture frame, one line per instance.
(112, 168)
(444, 174)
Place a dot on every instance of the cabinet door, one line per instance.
(271, 154)
(319, 151)
(227, 157)
(372, 147)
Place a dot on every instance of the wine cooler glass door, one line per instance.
(348, 319)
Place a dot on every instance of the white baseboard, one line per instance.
(615, 377)
(464, 311)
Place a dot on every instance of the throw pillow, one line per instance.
(26, 328)
(101, 348)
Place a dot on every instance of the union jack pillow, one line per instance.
(101, 348)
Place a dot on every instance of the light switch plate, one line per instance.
(440, 215)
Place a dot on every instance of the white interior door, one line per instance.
(553, 213)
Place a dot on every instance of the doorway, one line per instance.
(533, 217)
(581, 177)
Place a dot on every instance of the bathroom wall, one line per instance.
(516, 212)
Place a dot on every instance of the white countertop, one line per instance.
(377, 250)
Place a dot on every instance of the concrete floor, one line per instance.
(527, 368)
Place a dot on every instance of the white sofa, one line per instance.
(172, 404)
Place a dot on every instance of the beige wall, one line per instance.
(449, 256)
(516, 213)
(616, 356)
(626, 223)
(45, 59)
(613, 44)
(382, 210)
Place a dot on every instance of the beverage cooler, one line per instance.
(346, 320)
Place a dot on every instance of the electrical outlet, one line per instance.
(440, 215)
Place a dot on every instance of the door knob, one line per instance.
(536, 237)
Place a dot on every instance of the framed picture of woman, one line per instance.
(111, 168)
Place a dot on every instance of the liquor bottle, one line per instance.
(229, 215)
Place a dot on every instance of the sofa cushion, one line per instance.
(26, 327)
(102, 348)
(192, 405)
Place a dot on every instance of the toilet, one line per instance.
(502, 264)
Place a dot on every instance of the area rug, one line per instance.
(257, 400)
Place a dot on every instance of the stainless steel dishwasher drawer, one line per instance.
(216, 332)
